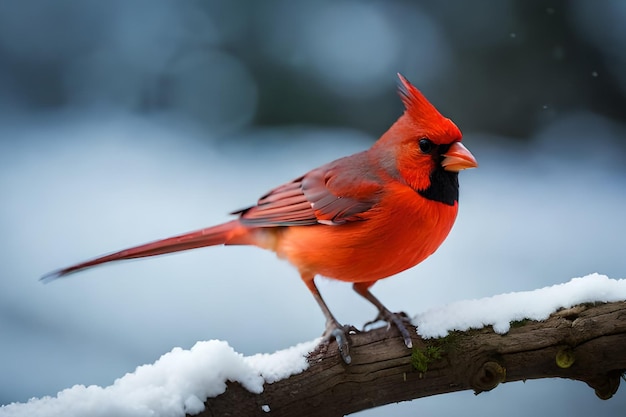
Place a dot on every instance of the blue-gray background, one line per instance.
(126, 121)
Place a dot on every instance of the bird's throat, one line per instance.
(444, 187)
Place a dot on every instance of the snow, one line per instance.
(180, 381)
(177, 383)
(500, 310)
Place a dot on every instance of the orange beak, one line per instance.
(458, 158)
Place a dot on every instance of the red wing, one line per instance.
(283, 206)
(323, 195)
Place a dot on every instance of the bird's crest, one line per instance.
(420, 110)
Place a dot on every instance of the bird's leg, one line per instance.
(397, 319)
(334, 330)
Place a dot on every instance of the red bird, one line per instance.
(358, 219)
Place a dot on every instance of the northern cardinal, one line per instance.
(358, 219)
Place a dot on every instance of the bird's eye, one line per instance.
(426, 145)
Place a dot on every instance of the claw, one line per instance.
(339, 334)
(378, 318)
(397, 319)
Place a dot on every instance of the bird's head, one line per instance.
(426, 147)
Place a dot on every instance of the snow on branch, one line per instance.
(501, 310)
(556, 331)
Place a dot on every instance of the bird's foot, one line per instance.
(400, 320)
(337, 332)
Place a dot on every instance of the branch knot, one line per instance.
(487, 377)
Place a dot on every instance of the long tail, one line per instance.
(216, 235)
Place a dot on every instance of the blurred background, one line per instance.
(123, 122)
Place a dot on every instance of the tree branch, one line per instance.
(584, 343)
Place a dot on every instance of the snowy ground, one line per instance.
(75, 187)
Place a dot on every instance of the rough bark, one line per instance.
(585, 343)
